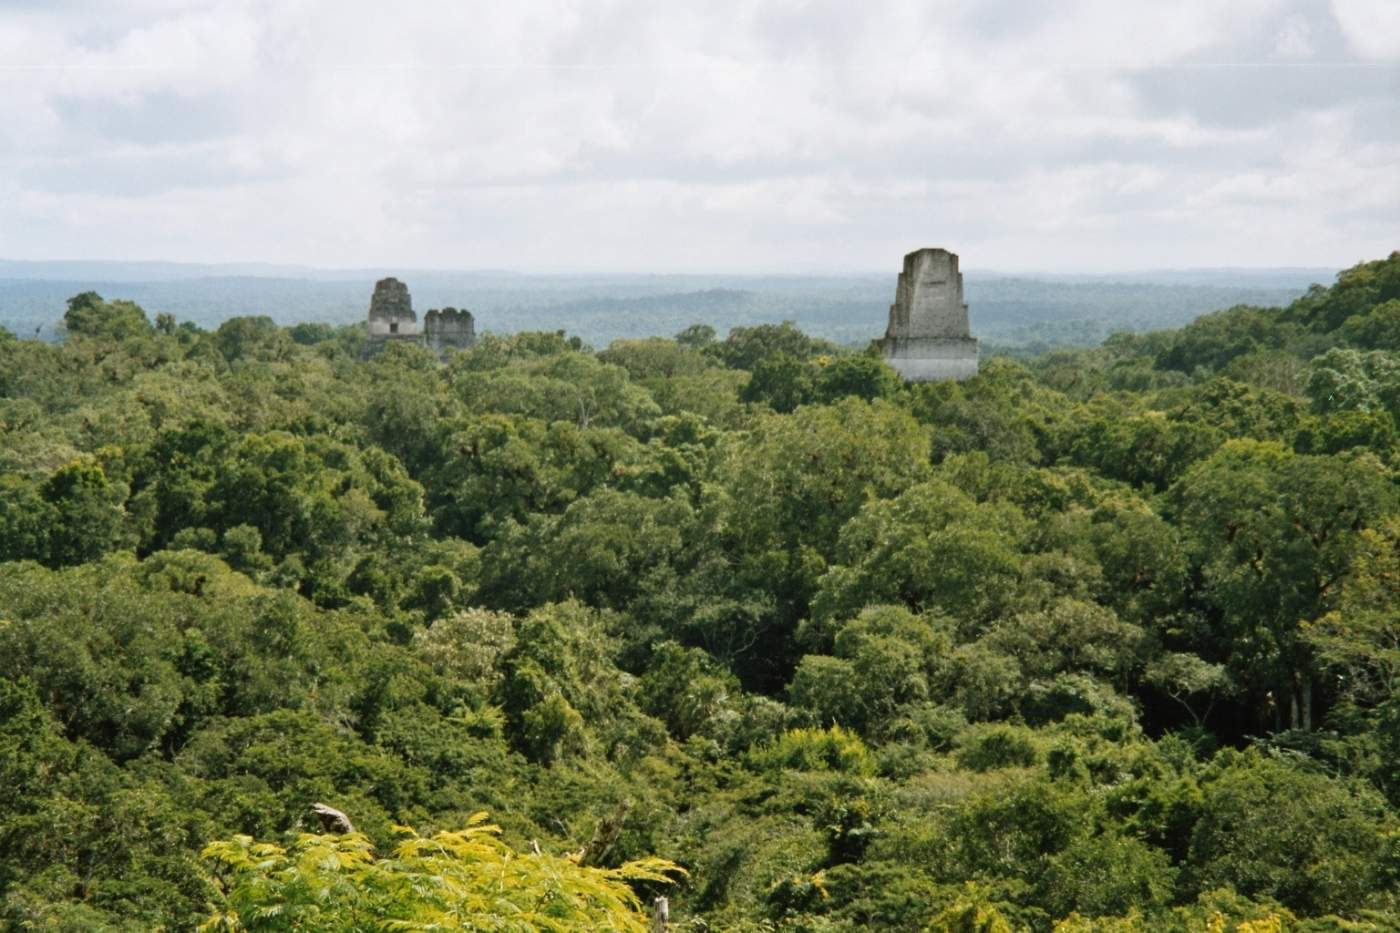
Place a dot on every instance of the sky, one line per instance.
(719, 136)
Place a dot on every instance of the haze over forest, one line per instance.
(1010, 312)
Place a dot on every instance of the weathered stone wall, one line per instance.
(930, 359)
(929, 297)
(391, 318)
(380, 327)
(391, 311)
(390, 300)
(449, 328)
(928, 337)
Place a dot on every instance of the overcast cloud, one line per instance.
(635, 135)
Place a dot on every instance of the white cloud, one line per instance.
(1294, 39)
(739, 134)
(1372, 27)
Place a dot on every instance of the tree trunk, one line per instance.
(604, 836)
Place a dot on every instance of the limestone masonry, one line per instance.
(391, 317)
(391, 310)
(928, 337)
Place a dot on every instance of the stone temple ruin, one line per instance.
(391, 318)
(928, 337)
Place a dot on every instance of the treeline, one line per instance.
(1100, 640)
(847, 309)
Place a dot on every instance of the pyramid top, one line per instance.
(391, 302)
(929, 297)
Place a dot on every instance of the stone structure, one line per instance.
(449, 329)
(391, 311)
(391, 317)
(928, 337)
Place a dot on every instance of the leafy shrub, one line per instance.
(466, 879)
(833, 749)
(999, 747)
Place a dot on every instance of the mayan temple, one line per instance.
(392, 318)
(928, 338)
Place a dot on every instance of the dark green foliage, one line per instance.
(86, 516)
(999, 747)
(1143, 450)
(1004, 413)
(1015, 832)
(783, 381)
(932, 547)
(252, 338)
(746, 346)
(1360, 291)
(863, 375)
(696, 336)
(1212, 341)
(1275, 535)
(1108, 875)
(493, 468)
(26, 518)
(1376, 329)
(692, 694)
(89, 316)
(601, 549)
(573, 386)
(1273, 831)
(1101, 640)
(780, 380)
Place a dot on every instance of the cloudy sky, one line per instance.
(715, 135)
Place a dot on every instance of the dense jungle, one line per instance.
(1102, 639)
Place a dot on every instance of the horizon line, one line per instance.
(281, 270)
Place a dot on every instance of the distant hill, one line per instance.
(1006, 311)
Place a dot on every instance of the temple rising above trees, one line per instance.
(391, 317)
(928, 337)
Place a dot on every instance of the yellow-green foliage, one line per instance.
(464, 880)
(1075, 923)
(1274, 923)
(969, 915)
(833, 749)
